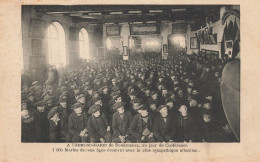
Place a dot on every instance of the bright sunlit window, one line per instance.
(83, 44)
(56, 45)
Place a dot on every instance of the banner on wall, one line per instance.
(144, 29)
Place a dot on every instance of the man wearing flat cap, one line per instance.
(120, 123)
(164, 130)
(77, 126)
(186, 126)
(64, 112)
(98, 128)
(54, 119)
(41, 123)
(141, 127)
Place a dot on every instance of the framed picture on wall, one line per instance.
(113, 30)
(193, 43)
(165, 48)
(37, 28)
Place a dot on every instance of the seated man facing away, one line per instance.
(98, 128)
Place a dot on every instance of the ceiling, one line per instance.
(196, 14)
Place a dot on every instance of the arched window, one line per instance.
(56, 45)
(83, 44)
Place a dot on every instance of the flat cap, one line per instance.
(52, 112)
(94, 109)
(160, 107)
(40, 103)
(76, 105)
(118, 105)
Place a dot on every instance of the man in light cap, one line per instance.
(99, 130)
(120, 123)
(141, 127)
(164, 130)
(77, 126)
(28, 126)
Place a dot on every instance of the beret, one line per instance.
(94, 109)
(118, 105)
(160, 107)
(52, 112)
(76, 105)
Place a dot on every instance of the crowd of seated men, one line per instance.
(138, 100)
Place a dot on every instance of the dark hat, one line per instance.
(118, 105)
(141, 107)
(113, 94)
(30, 94)
(169, 100)
(63, 96)
(35, 83)
(76, 105)
(160, 107)
(153, 93)
(95, 99)
(79, 96)
(133, 93)
(137, 100)
(40, 103)
(47, 98)
(94, 109)
(129, 88)
(62, 100)
(177, 89)
(164, 88)
(116, 88)
(52, 112)
(206, 112)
